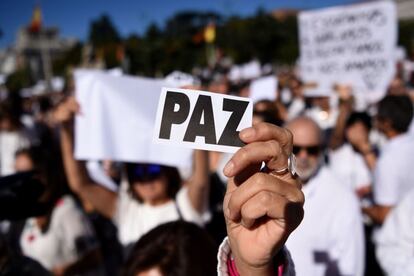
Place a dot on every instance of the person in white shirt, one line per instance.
(152, 195)
(395, 240)
(11, 138)
(329, 241)
(393, 176)
(62, 239)
(349, 159)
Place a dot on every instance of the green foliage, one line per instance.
(261, 37)
(103, 32)
(70, 58)
(18, 80)
(406, 34)
(179, 44)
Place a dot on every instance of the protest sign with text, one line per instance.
(350, 45)
(202, 120)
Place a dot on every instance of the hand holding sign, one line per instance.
(65, 112)
(261, 209)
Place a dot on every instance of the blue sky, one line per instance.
(73, 17)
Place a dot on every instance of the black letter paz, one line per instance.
(169, 116)
(201, 123)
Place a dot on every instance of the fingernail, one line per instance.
(247, 133)
(228, 168)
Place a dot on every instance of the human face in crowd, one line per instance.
(306, 146)
(149, 183)
(153, 192)
(5, 124)
(23, 163)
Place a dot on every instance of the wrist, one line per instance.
(263, 270)
(364, 147)
(275, 267)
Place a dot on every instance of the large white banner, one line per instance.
(117, 120)
(350, 45)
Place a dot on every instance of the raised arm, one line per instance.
(103, 200)
(358, 136)
(345, 109)
(198, 185)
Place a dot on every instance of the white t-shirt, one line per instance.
(330, 237)
(395, 240)
(394, 175)
(411, 129)
(135, 219)
(69, 236)
(10, 142)
(349, 167)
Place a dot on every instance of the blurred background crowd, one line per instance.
(356, 158)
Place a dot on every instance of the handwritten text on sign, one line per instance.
(351, 44)
(202, 120)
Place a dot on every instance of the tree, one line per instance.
(105, 39)
(70, 58)
(260, 36)
(102, 32)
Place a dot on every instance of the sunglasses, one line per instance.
(143, 172)
(310, 150)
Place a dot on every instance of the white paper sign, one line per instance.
(117, 120)
(263, 89)
(202, 120)
(350, 45)
(251, 70)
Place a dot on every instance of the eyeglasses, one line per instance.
(310, 150)
(143, 172)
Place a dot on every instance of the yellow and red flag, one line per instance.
(210, 33)
(36, 23)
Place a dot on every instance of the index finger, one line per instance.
(266, 132)
(265, 143)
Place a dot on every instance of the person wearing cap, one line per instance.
(329, 240)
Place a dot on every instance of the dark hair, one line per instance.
(47, 164)
(398, 109)
(361, 117)
(270, 113)
(171, 173)
(9, 112)
(176, 248)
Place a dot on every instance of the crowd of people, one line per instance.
(354, 184)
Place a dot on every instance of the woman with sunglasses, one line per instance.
(153, 194)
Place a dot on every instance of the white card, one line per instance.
(201, 120)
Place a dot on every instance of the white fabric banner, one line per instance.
(117, 120)
(350, 45)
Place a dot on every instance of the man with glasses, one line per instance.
(329, 241)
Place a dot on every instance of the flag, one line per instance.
(210, 33)
(36, 23)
